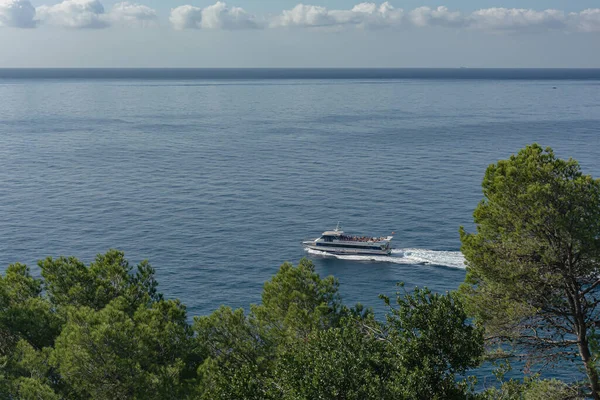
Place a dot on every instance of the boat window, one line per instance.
(328, 238)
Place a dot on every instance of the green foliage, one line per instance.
(302, 343)
(36, 378)
(100, 332)
(108, 354)
(28, 327)
(104, 332)
(24, 314)
(532, 265)
(296, 302)
(33, 389)
(68, 282)
(242, 350)
(237, 359)
(533, 388)
(345, 362)
(4, 379)
(431, 334)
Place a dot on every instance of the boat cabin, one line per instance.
(329, 236)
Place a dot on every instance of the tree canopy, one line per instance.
(103, 331)
(533, 264)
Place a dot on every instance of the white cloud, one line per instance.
(74, 14)
(220, 16)
(131, 14)
(441, 16)
(186, 17)
(17, 14)
(368, 15)
(507, 19)
(91, 14)
(587, 20)
(361, 15)
(302, 15)
(217, 16)
(517, 19)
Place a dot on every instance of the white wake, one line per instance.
(451, 259)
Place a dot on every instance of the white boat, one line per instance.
(336, 242)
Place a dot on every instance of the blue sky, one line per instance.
(286, 33)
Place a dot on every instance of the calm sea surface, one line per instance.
(217, 180)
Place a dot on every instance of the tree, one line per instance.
(417, 353)
(345, 362)
(533, 265)
(242, 350)
(68, 282)
(24, 313)
(108, 354)
(237, 360)
(28, 329)
(296, 302)
(35, 379)
(101, 331)
(433, 341)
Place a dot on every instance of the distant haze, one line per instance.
(338, 33)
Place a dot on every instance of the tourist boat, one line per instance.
(336, 242)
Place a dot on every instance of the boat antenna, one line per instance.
(337, 227)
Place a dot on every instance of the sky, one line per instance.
(288, 33)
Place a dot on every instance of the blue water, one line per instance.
(217, 181)
(302, 73)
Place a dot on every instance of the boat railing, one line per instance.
(364, 239)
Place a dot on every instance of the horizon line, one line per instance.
(321, 68)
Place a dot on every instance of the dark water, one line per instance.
(216, 181)
(302, 73)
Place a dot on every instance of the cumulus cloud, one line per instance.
(217, 16)
(361, 15)
(586, 21)
(186, 17)
(17, 14)
(370, 15)
(367, 15)
(132, 14)
(517, 19)
(82, 14)
(74, 14)
(441, 16)
(507, 19)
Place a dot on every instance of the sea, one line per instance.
(217, 175)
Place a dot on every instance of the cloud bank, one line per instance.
(517, 19)
(497, 19)
(589, 20)
(362, 15)
(441, 16)
(376, 16)
(74, 14)
(217, 16)
(128, 14)
(91, 14)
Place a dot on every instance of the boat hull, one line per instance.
(347, 251)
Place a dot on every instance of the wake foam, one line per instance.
(450, 259)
